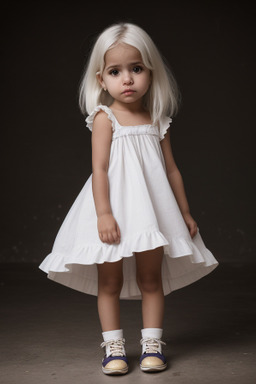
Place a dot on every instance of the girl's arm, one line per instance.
(176, 183)
(108, 229)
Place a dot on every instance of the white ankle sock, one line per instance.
(112, 335)
(152, 333)
(155, 333)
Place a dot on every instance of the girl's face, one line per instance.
(125, 76)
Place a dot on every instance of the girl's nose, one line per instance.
(127, 80)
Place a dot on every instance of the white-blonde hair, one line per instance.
(162, 97)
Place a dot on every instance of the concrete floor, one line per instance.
(51, 334)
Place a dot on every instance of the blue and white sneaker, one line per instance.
(115, 361)
(152, 358)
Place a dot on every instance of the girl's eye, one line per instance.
(137, 69)
(114, 72)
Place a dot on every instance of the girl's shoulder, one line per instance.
(97, 111)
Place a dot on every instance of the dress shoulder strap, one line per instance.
(89, 120)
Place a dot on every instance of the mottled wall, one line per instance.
(46, 155)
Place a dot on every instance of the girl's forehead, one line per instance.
(122, 52)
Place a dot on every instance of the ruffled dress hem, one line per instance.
(68, 269)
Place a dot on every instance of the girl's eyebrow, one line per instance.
(119, 65)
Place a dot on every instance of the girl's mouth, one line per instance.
(128, 92)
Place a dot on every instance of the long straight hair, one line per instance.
(162, 98)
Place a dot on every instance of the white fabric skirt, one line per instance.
(147, 213)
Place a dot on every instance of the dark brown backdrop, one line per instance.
(46, 155)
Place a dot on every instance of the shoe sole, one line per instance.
(156, 368)
(115, 371)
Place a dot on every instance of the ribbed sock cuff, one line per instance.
(112, 335)
(155, 333)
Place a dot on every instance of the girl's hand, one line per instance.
(108, 229)
(191, 224)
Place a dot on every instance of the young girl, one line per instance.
(129, 234)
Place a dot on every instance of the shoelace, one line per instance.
(116, 347)
(152, 345)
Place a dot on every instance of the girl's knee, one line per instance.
(110, 278)
(149, 283)
(111, 285)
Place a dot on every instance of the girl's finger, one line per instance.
(118, 231)
(111, 239)
(193, 231)
(117, 238)
(102, 237)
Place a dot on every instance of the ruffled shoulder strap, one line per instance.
(164, 125)
(90, 118)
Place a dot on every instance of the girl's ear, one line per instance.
(100, 80)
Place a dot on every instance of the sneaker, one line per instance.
(115, 361)
(152, 358)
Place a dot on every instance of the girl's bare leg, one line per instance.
(110, 282)
(149, 279)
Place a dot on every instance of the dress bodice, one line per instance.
(123, 130)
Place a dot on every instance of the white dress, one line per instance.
(146, 211)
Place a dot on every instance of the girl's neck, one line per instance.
(128, 107)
